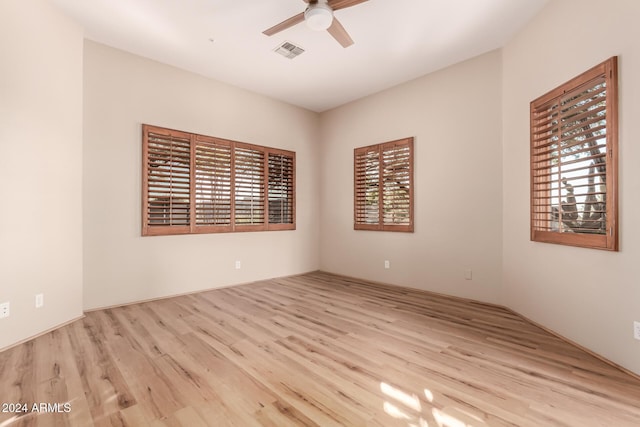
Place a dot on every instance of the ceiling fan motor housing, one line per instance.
(318, 16)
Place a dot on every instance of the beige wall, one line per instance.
(589, 296)
(122, 91)
(40, 167)
(454, 115)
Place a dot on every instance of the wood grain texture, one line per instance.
(287, 23)
(316, 349)
(339, 33)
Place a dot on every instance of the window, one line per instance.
(383, 186)
(574, 161)
(201, 184)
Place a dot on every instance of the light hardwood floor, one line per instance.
(316, 349)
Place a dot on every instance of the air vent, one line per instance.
(289, 50)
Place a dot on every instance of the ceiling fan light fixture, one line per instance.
(318, 17)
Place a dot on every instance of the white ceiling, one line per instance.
(395, 41)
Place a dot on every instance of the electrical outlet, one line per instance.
(468, 274)
(39, 300)
(238, 265)
(636, 330)
(387, 264)
(4, 309)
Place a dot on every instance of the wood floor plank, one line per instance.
(59, 381)
(19, 383)
(278, 414)
(102, 382)
(312, 350)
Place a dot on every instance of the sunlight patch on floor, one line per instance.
(9, 421)
(395, 412)
(411, 401)
(428, 395)
(407, 406)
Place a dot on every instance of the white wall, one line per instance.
(587, 295)
(40, 167)
(122, 91)
(454, 115)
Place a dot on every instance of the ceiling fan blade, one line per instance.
(287, 23)
(341, 4)
(339, 33)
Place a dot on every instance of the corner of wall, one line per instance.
(41, 245)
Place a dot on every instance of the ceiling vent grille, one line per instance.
(289, 50)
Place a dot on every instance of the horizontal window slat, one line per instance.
(597, 89)
(578, 114)
(542, 153)
(546, 123)
(571, 162)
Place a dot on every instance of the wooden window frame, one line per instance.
(547, 120)
(376, 155)
(215, 159)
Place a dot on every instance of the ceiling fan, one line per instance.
(319, 17)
